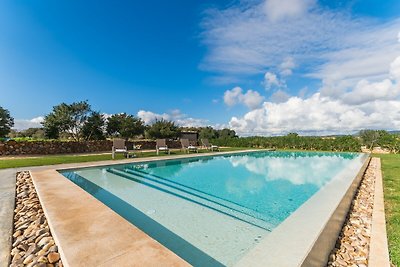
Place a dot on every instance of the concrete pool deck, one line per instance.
(75, 226)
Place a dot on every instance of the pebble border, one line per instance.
(33, 244)
(352, 246)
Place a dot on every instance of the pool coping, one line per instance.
(58, 196)
(287, 245)
(378, 248)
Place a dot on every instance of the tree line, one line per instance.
(367, 138)
(77, 121)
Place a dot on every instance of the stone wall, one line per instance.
(65, 147)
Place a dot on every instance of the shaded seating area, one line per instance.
(119, 146)
(161, 145)
(209, 146)
(186, 146)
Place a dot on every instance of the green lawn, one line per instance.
(51, 160)
(391, 183)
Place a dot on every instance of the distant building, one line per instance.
(193, 136)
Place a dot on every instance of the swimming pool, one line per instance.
(213, 210)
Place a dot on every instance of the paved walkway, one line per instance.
(7, 203)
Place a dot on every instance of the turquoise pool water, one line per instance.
(212, 210)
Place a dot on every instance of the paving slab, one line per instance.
(7, 204)
(379, 252)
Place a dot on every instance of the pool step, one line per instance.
(192, 197)
(218, 200)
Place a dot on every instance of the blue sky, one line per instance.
(259, 67)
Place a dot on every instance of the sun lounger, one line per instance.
(161, 145)
(187, 146)
(209, 146)
(119, 146)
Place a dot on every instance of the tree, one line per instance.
(388, 141)
(6, 122)
(93, 129)
(163, 129)
(369, 137)
(51, 130)
(124, 125)
(208, 133)
(226, 133)
(67, 118)
(35, 133)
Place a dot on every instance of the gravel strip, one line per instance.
(352, 246)
(33, 244)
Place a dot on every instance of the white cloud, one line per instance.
(279, 96)
(313, 170)
(282, 9)
(395, 69)
(231, 97)
(21, 124)
(175, 115)
(251, 99)
(326, 44)
(366, 92)
(149, 117)
(317, 115)
(349, 55)
(287, 66)
(271, 80)
(374, 105)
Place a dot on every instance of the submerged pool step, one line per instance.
(218, 200)
(193, 191)
(194, 197)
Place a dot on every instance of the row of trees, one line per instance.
(77, 121)
(368, 138)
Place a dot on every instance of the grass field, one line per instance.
(17, 162)
(391, 183)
